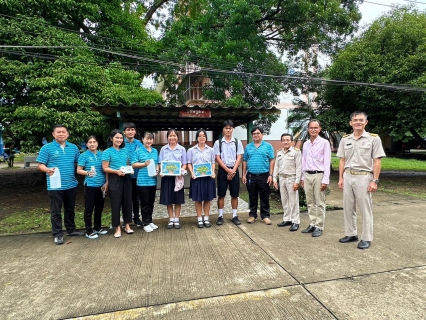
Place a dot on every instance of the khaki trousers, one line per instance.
(355, 193)
(289, 199)
(315, 199)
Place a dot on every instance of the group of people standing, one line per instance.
(360, 156)
(122, 171)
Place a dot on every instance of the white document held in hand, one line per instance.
(55, 179)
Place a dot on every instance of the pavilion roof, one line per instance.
(163, 117)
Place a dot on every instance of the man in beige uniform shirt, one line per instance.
(360, 156)
(288, 167)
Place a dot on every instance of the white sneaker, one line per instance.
(148, 228)
(153, 226)
(92, 236)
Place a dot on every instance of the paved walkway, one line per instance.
(224, 272)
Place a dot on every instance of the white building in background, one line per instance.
(278, 128)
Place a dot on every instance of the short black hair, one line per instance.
(127, 125)
(148, 135)
(228, 123)
(257, 128)
(198, 133)
(59, 126)
(287, 135)
(172, 130)
(91, 137)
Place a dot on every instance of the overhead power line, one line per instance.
(317, 81)
(393, 5)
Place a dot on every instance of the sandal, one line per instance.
(170, 225)
(117, 235)
(177, 225)
(200, 224)
(129, 231)
(207, 223)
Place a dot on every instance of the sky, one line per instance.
(372, 9)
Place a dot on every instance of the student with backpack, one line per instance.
(228, 154)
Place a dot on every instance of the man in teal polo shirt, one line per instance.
(60, 157)
(258, 166)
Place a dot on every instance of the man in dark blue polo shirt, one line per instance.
(58, 160)
(258, 166)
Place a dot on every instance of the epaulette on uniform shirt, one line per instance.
(346, 135)
(297, 149)
(373, 134)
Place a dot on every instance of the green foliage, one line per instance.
(234, 43)
(76, 67)
(391, 51)
(43, 87)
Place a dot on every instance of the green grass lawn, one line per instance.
(391, 164)
(38, 220)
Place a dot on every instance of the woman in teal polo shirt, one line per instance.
(115, 159)
(95, 184)
(146, 184)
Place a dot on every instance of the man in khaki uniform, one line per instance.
(288, 167)
(360, 156)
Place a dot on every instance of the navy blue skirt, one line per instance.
(202, 189)
(168, 195)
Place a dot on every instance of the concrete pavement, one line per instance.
(224, 272)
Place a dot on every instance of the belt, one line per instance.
(287, 175)
(258, 174)
(314, 172)
(357, 172)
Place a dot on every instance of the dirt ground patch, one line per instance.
(22, 189)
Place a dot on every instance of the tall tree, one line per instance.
(390, 52)
(237, 43)
(57, 79)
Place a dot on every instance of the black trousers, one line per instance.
(257, 185)
(120, 193)
(93, 200)
(135, 200)
(147, 197)
(67, 198)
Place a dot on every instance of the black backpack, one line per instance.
(234, 141)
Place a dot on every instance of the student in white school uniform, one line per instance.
(228, 154)
(202, 190)
(172, 151)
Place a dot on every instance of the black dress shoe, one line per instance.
(236, 221)
(347, 239)
(219, 221)
(308, 229)
(294, 227)
(284, 224)
(317, 232)
(364, 244)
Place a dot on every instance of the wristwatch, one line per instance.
(376, 181)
